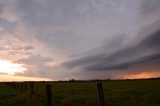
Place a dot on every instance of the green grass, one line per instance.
(117, 93)
(11, 97)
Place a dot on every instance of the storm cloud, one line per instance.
(148, 49)
(80, 38)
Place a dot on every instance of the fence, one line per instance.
(30, 88)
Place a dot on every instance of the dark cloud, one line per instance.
(152, 41)
(122, 66)
(147, 50)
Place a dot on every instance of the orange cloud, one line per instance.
(143, 75)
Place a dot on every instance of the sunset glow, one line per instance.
(4, 78)
(10, 68)
(143, 75)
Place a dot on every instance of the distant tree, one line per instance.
(108, 79)
(72, 80)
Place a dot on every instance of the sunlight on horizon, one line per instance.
(6, 78)
(143, 75)
(10, 68)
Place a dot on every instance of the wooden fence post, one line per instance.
(25, 86)
(49, 95)
(31, 89)
(21, 87)
(17, 85)
(100, 94)
(14, 85)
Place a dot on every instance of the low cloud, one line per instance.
(145, 51)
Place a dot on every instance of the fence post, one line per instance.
(25, 86)
(17, 85)
(49, 95)
(21, 87)
(31, 89)
(101, 100)
(14, 85)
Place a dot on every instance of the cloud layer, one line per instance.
(145, 51)
(80, 39)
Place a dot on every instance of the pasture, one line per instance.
(82, 93)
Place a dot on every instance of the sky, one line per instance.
(80, 39)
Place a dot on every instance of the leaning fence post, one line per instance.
(49, 95)
(100, 94)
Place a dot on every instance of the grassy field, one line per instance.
(11, 97)
(117, 93)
